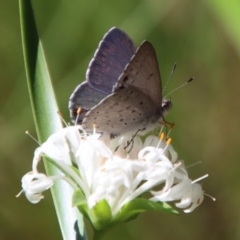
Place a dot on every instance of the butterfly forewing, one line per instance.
(110, 59)
(142, 72)
(103, 72)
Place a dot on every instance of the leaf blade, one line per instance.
(45, 115)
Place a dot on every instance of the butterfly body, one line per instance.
(130, 97)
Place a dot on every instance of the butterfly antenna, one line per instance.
(187, 82)
(33, 138)
(173, 69)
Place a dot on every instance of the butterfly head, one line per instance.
(166, 105)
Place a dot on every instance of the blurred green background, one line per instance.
(203, 37)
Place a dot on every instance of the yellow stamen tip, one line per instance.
(79, 110)
(59, 114)
(169, 141)
(162, 136)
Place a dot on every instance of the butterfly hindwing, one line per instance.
(122, 111)
(84, 97)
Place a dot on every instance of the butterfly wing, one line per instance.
(136, 101)
(126, 110)
(84, 97)
(113, 54)
(143, 73)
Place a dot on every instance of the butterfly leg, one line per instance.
(132, 140)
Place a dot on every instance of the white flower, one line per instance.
(189, 193)
(118, 174)
(34, 184)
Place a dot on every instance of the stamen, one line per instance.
(169, 141)
(94, 128)
(167, 144)
(176, 165)
(78, 115)
(171, 127)
(60, 115)
(161, 137)
(199, 179)
(193, 164)
(33, 138)
(214, 199)
(163, 125)
(18, 195)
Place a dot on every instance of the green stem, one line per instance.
(44, 108)
(98, 235)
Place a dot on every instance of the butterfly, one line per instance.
(123, 91)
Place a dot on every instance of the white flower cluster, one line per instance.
(114, 175)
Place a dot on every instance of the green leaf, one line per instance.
(78, 199)
(132, 209)
(45, 115)
(100, 215)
